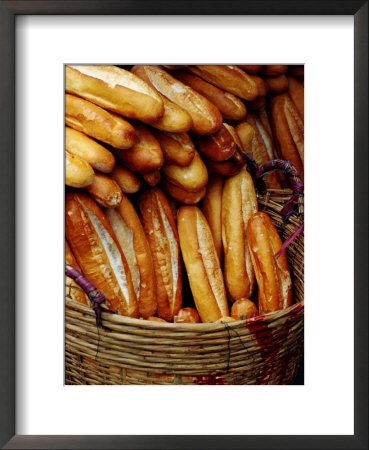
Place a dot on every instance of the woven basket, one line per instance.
(263, 350)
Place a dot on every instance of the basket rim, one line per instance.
(201, 327)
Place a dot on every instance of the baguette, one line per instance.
(261, 149)
(152, 178)
(239, 203)
(272, 70)
(78, 172)
(146, 154)
(115, 89)
(288, 131)
(98, 252)
(243, 309)
(230, 106)
(277, 84)
(182, 196)
(105, 191)
(202, 264)
(161, 233)
(272, 274)
(126, 179)
(226, 168)
(131, 237)
(219, 146)
(246, 133)
(94, 121)
(191, 178)
(206, 118)
(251, 68)
(296, 91)
(86, 148)
(187, 315)
(175, 119)
(212, 210)
(230, 78)
(177, 148)
(261, 84)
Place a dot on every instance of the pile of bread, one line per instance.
(161, 213)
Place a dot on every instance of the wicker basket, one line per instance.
(263, 350)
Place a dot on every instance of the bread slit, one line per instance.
(112, 252)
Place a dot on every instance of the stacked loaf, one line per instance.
(161, 211)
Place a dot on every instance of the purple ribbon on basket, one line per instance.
(96, 297)
(291, 206)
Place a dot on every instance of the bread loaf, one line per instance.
(272, 273)
(239, 203)
(94, 121)
(202, 264)
(206, 118)
(91, 151)
(132, 239)
(98, 252)
(161, 233)
(115, 89)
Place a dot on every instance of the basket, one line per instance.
(264, 350)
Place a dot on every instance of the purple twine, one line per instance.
(291, 206)
(96, 297)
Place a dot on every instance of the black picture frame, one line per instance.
(8, 12)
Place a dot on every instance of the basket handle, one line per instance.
(291, 206)
(96, 297)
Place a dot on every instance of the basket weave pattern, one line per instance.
(263, 350)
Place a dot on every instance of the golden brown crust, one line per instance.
(205, 116)
(105, 191)
(98, 252)
(262, 85)
(230, 106)
(272, 274)
(296, 91)
(230, 78)
(132, 239)
(152, 178)
(71, 287)
(146, 154)
(182, 196)
(94, 121)
(126, 179)
(243, 309)
(96, 155)
(272, 70)
(115, 89)
(219, 146)
(191, 178)
(156, 319)
(161, 233)
(288, 131)
(246, 133)
(175, 119)
(187, 315)
(212, 210)
(78, 172)
(225, 319)
(262, 149)
(251, 68)
(277, 84)
(177, 148)
(202, 264)
(239, 203)
(227, 168)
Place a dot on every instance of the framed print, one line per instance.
(38, 40)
